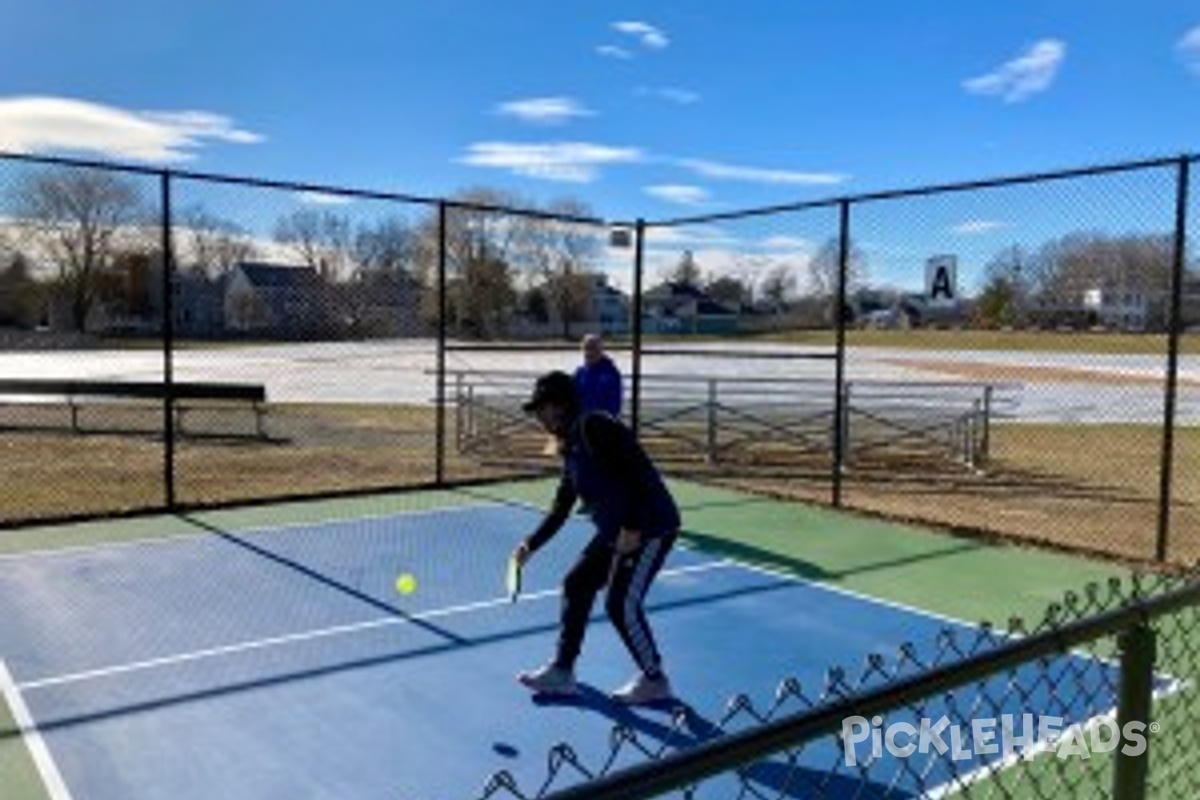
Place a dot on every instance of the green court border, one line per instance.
(945, 575)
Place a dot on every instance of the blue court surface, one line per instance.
(282, 663)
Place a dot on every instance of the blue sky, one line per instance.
(644, 109)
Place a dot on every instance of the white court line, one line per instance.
(256, 530)
(320, 633)
(52, 779)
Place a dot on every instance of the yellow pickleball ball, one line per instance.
(406, 583)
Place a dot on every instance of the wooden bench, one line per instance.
(75, 391)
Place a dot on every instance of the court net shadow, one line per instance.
(321, 578)
(775, 560)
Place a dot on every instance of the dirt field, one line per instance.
(1093, 488)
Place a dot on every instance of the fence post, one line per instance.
(1170, 388)
(168, 340)
(985, 441)
(843, 433)
(840, 392)
(635, 354)
(440, 409)
(459, 435)
(1137, 647)
(711, 414)
(971, 443)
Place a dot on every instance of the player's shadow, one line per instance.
(674, 725)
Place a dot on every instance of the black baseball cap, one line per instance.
(554, 387)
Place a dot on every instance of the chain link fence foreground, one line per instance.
(1098, 699)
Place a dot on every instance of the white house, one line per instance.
(1128, 309)
(608, 307)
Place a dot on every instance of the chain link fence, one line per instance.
(1097, 699)
(1011, 358)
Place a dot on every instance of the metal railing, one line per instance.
(732, 419)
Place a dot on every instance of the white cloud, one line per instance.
(975, 227)
(612, 51)
(571, 162)
(1188, 49)
(683, 97)
(675, 193)
(1025, 75)
(324, 199)
(714, 169)
(544, 110)
(40, 124)
(649, 36)
(690, 237)
(786, 243)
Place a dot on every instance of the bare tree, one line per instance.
(777, 285)
(825, 267)
(320, 239)
(388, 247)
(1005, 296)
(383, 292)
(1069, 267)
(483, 240)
(77, 219)
(687, 271)
(214, 245)
(729, 291)
(562, 254)
(20, 295)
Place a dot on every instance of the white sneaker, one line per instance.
(550, 679)
(644, 689)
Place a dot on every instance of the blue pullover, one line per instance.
(605, 467)
(598, 386)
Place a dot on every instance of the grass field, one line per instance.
(1081, 342)
(1092, 487)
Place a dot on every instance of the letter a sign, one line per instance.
(941, 281)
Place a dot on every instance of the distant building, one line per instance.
(199, 305)
(608, 307)
(675, 307)
(276, 300)
(381, 304)
(599, 307)
(1128, 310)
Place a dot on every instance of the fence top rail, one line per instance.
(654, 778)
(823, 383)
(296, 186)
(942, 188)
(832, 202)
(706, 352)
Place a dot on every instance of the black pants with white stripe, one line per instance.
(631, 578)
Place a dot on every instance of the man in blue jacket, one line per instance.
(597, 379)
(636, 522)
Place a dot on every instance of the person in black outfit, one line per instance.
(636, 523)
